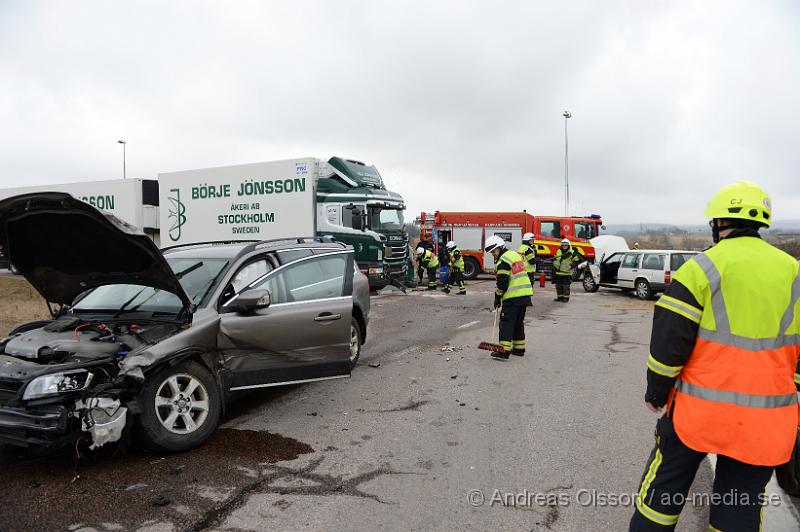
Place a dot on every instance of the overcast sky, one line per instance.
(457, 103)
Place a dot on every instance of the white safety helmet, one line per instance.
(494, 242)
(420, 251)
(527, 236)
(450, 245)
(566, 241)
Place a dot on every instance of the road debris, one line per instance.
(161, 500)
(374, 365)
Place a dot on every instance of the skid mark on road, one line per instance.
(322, 485)
(413, 405)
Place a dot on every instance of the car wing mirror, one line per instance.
(250, 301)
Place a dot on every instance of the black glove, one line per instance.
(658, 389)
(497, 301)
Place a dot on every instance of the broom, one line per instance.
(489, 346)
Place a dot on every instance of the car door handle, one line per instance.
(327, 316)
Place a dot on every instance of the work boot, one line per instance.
(518, 352)
(462, 293)
(557, 299)
(500, 356)
(446, 289)
(431, 288)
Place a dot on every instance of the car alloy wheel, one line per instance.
(181, 403)
(588, 283)
(642, 289)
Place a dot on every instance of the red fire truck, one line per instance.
(471, 229)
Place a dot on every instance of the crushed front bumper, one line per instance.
(42, 425)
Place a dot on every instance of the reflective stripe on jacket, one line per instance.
(512, 265)
(563, 261)
(429, 259)
(736, 394)
(529, 255)
(456, 259)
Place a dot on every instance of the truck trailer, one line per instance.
(340, 198)
(471, 229)
(134, 201)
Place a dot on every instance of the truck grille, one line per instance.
(395, 257)
(9, 391)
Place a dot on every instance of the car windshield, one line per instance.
(385, 219)
(197, 277)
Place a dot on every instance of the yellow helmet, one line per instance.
(743, 200)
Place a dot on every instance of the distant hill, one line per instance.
(637, 229)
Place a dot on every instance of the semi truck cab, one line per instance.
(354, 207)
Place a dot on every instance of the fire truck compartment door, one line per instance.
(468, 238)
(512, 236)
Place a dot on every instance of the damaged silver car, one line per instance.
(153, 344)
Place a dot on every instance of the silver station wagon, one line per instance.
(155, 342)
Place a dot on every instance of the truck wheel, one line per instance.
(471, 268)
(181, 407)
(643, 290)
(355, 342)
(588, 283)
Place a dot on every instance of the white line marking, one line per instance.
(468, 324)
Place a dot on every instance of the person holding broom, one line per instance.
(512, 296)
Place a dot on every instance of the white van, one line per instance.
(645, 271)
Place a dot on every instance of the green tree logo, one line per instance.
(177, 211)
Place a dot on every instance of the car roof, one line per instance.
(658, 251)
(230, 250)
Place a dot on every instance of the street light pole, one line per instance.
(567, 115)
(124, 176)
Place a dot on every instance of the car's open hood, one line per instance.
(64, 247)
(605, 245)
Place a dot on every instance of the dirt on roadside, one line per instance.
(20, 303)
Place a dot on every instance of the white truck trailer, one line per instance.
(132, 200)
(339, 197)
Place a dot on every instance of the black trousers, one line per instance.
(563, 283)
(432, 277)
(456, 278)
(512, 326)
(669, 474)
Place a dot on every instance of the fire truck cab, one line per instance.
(471, 229)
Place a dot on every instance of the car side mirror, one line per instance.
(250, 301)
(358, 220)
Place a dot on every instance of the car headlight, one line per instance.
(55, 383)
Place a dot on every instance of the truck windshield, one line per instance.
(385, 219)
(585, 230)
(197, 282)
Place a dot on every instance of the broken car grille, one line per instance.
(8, 391)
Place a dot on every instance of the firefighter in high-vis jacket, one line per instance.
(512, 296)
(723, 360)
(528, 252)
(564, 263)
(456, 277)
(427, 260)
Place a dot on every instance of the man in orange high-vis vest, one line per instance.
(724, 360)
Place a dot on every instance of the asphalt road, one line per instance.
(430, 433)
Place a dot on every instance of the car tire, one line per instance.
(165, 403)
(588, 283)
(643, 290)
(471, 268)
(355, 342)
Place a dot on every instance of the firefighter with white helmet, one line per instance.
(528, 252)
(564, 264)
(456, 277)
(427, 260)
(512, 296)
